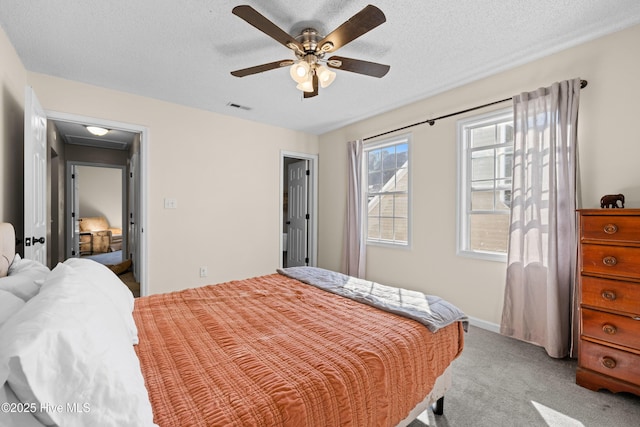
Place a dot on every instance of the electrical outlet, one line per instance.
(204, 271)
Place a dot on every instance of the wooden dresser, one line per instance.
(609, 292)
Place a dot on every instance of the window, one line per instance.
(485, 162)
(387, 191)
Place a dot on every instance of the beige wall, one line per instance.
(12, 82)
(223, 171)
(609, 163)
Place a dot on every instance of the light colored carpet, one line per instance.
(500, 381)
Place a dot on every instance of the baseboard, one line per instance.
(483, 324)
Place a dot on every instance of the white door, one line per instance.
(36, 216)
(298, 216)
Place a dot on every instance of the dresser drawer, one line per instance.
(615, 261)
(613, 228)
(621, 330)
(610, 361)
(611, 294)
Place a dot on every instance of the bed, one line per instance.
(301, 346)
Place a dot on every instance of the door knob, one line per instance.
(33, 240)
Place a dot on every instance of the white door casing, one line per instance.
(36, 216)
(74, 218)
(298, 214)
(133, 216)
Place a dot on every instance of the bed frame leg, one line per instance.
(438, 407)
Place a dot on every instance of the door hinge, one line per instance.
(306, 260)
(308, 172)
(73, 214)
(307, 216)
(73, 176)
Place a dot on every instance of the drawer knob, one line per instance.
(609, 329)
(608, 362)
(609, 261)
(610, 228)
(609, 295)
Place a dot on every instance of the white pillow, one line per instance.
(113, 289)
(67, 347)
(25, 278)
(9, 305)
(19, 265)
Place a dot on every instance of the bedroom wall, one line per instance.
(609, 147)
(12, 82)
(223, 172)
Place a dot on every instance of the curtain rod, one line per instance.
(583, 84)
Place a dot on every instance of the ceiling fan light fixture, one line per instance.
(97, 131)
(300, 71)
(325, 76)
(306, 85)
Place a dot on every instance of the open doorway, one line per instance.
(99, 211)
(103, 187)
(298, 218)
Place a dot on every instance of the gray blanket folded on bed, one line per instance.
(432, 311)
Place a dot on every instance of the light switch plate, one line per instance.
(170, 203)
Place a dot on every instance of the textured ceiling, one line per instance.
(183, 51)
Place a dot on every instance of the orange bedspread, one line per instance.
(272, 351)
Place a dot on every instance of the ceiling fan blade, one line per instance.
(261, 68)
(253, 17)
(315, 88)
(360, 23)
(372, 69)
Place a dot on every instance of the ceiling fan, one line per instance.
(309, 47)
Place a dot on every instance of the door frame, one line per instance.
(312, 199)
(142, 175)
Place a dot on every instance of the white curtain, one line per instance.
(354, 244)
(541, 258)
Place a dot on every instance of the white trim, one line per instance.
(143, 173)
(483, 324)
(313, 201)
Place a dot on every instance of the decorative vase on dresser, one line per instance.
(609, 292)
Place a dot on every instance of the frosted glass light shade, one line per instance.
(98, 131)
(306, 86)
(325, 76)
(299, 71)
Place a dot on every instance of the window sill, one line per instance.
(384, 244)
(484, 256)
